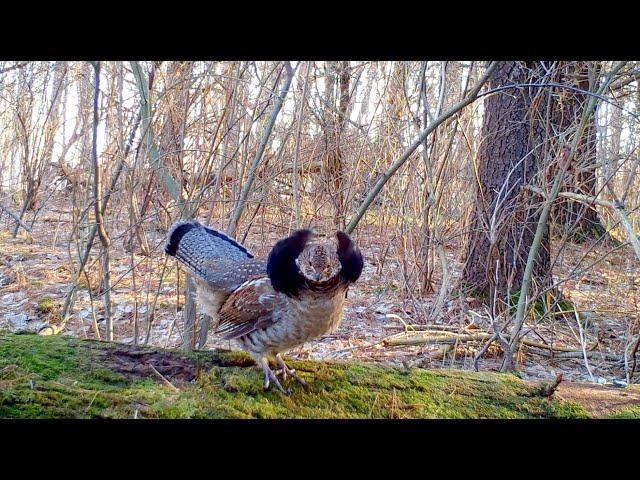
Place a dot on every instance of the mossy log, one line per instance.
(64, 377)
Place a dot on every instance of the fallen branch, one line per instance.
(415, 327)
(587, 200)
(579, 354)
(437, 337)
(15, 217)
(50, 330)
(444, 337)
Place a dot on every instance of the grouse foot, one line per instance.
(284, 371)
(269, 377)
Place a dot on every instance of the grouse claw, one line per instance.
(270, 377)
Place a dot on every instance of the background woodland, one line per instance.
(496, 203)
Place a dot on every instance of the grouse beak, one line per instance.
(316, 276)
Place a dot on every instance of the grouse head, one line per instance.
(307, 259)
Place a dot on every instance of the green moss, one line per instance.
(62, 377)
(544, 306)
(45, 305)
(392, 288)
(633, 412)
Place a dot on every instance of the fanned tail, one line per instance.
(195, 246)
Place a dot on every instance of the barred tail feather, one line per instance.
(195, 245)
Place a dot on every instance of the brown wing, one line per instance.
(248, 308)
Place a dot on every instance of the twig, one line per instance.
(91, 402)
(617, 207)
(582, 344)
(166, 382)
(384, 178)
(246, 189)
(398, 317)
(587, 200)
(373, 404)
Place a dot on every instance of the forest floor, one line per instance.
(66, 377)
(35, 274)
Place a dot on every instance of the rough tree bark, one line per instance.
(505, 217)
(577, 219)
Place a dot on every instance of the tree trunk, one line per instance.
(581, 222)
(505, 216)
(99, 211)
(171, 146)
(335, 120)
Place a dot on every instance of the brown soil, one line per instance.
(599, 400)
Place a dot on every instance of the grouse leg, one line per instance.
(288, 371)
(270, 377)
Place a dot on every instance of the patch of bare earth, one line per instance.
(599, 400)
(148, 363)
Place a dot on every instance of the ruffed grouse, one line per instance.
(269, 305)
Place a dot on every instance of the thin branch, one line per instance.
(386, 176)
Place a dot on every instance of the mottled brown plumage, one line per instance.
(269, 305)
